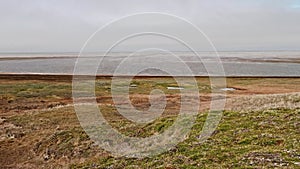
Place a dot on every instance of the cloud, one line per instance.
(40, 25)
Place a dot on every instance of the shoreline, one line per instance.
(42, 76)
(233, 60)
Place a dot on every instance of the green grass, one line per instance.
(29, 90)
(242, 140)
(42, 90)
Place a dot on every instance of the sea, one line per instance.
(231, 63)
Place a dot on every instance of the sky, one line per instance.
(64, 26)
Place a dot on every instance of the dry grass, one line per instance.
(255, 132)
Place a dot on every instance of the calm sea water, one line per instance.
(281, 63)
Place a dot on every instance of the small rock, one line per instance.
(46, 157)
(10, 135)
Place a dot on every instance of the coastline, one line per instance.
(54, 76)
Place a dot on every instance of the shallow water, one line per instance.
(234, 63)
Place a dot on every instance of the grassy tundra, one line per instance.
(39, 127)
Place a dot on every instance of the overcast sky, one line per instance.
(64, 25)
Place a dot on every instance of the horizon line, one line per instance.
(127, 51)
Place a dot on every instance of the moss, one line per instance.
(230, 146)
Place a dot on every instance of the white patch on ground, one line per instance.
(133, 85)
(175, 88)
(228, 89)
